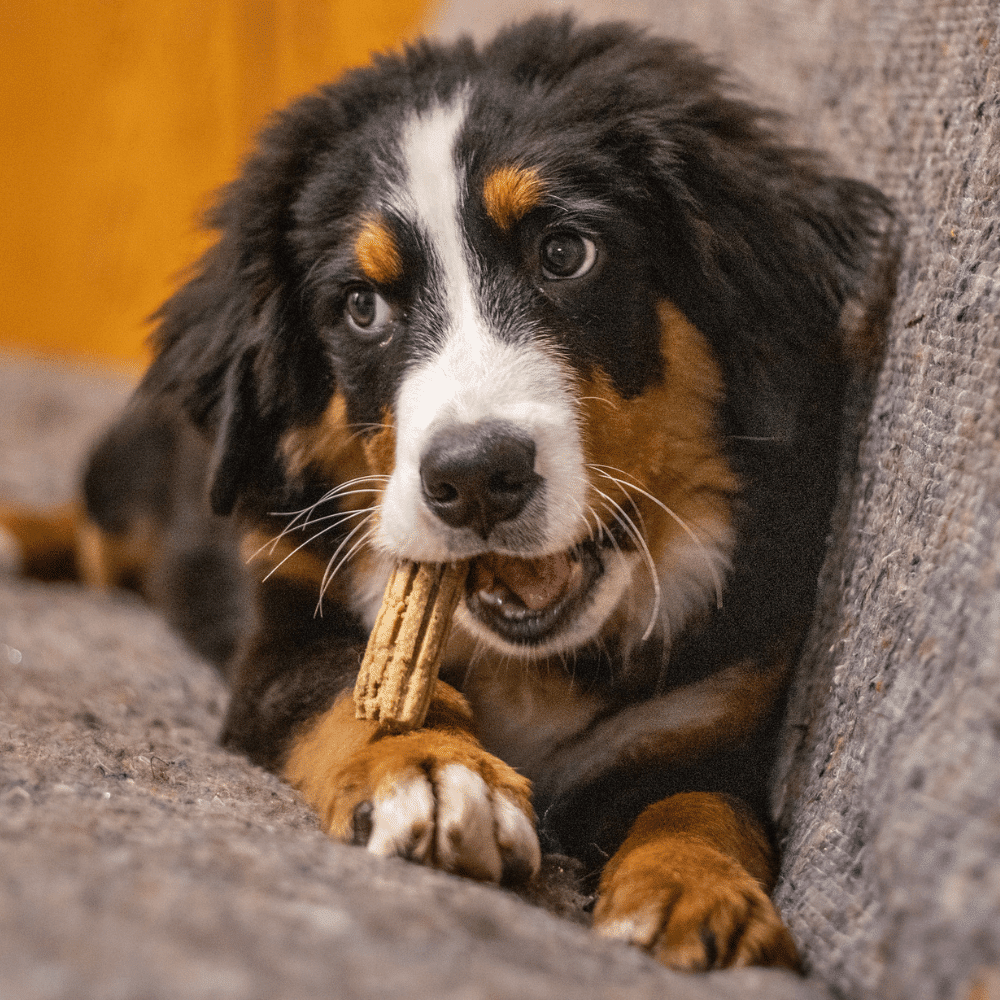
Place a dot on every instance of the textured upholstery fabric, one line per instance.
(137, 860)
(889, 792)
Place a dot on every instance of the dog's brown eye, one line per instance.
(567, 255)
(366, 310)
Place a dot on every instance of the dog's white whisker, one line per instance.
(360, 428)
(603, 530)
(332, 494)
(359, 479)
(301, 518)
(339, 513)
(684, 526)
(319, 534)
(339, 518)
(600, 399)
(600, 528)
(658, 611)
(347, 538)
(626, 488)
(269, 544)
(582, 509)
(330, 573)
(274, 569)
(647, 555)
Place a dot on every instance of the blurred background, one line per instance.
(120, 118)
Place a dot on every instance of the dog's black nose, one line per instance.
(477, 475)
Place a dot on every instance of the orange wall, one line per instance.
(119, 118)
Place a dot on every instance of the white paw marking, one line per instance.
(403, 820)
(455, 823)
(465, 837)
(637, 928)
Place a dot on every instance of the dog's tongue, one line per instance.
(536, 583)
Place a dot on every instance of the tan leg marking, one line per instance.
(63, 544)
(690, 886)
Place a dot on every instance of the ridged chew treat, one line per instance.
(401, 663)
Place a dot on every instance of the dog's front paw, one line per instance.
(433, 795)
(439, 801)
(693, 908)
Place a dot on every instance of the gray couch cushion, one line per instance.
(140, 860)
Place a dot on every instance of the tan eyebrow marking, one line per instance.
(509, 193)
(377, 252)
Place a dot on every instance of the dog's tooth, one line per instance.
(504, 602)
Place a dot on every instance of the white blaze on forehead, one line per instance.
(435, 187)
(471, 374)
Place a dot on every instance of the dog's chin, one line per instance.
(531, 607)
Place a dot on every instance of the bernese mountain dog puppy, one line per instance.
(566, 307)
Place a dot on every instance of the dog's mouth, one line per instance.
(527, 601)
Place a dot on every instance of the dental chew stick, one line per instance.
(401, 663)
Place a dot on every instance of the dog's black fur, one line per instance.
(781, 269)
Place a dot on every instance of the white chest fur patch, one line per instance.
(432, 199)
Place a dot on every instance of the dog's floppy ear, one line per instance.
(802, 273)
(787, 269)
(235, 346)
(792, 283)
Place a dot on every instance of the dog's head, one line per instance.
(536, 306)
